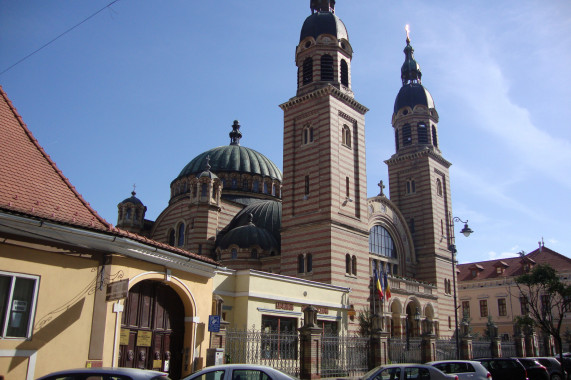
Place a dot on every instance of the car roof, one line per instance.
(453, 361)
(109, 370)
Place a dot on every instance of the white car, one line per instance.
(106, 374)
(407, 371)
(239, 372)
(465, 369)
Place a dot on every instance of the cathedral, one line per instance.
(313, 220)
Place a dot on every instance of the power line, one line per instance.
(53, 40)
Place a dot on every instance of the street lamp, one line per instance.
(417, 320)
(466, 231)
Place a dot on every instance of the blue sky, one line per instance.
(136, 92)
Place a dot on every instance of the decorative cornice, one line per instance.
(327, 90)
(418, 154)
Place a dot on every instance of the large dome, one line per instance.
(411, 95)
(323, 23)
(232, 158)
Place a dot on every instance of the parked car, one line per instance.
(566, 364)
(239, 372)
(504, 368)
(464, 369)
(535, 370)
(407, 371)
(106, 374)
(554, 368)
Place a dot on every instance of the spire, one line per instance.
(235, 135)
(322, 6)
(410, 70)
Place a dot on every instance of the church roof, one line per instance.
(31, 183)
(514, 266)
(323, 23)
(411, 95)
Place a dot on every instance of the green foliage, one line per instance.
(365, 322)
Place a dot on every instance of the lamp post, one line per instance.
(417, 320)
(466, 231)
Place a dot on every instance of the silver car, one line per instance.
(106, 374)
(239, 372)
(407, 371)
(465, 369)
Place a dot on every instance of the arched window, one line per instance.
(306, 185)
(346, 136)
(308, 70)
(256, 186)
(203, 189)
(354, 265)
(438, 187)
(410, 186)
(128, 214)
(180, 241)
(344, 73)
(326, 68)
(265, 187)
(234, 183)
(434, 138)
(406, 135)
(397, 145)
(309, 260)
(381, 243)
(422, 132)
(347, 264)
(300, 264)
(307, 135)
(245, 184)
(234, 253)
(254, 254)
(171, 237)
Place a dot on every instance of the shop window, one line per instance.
(279, 337)
(18, 296)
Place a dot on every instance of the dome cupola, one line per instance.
(131, 214)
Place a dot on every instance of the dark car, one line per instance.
(554, 368)
(566, 364)
(535, 370)
(504, 368)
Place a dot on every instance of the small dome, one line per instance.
(133, 199)
(208, 174)
(248, 236)
(265, 214)
(323, 23)
(411, 95)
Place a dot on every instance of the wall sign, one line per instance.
(144, 338)
(117, 290)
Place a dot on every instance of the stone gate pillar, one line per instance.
(379, 343)
(310, 345)
(519, 340)
(428, 343)
(531, 346)
(496, 347)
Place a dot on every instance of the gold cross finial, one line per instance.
(407, 28)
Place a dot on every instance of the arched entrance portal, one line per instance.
(153, 320)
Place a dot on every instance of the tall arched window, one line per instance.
(354, 265)
(422, 132)
(344, 73)
(348, 264)
(256, 186)
(180, 241)
(300, 264)
(309, 262)
(381, 242)
(307, 70)
(307, 135)
(346, 136)
(434, 138)
(438, 187)
(326, 68)
(397, 145)
(234, 253)
(172, 235)
(406, 135)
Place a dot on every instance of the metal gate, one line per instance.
(482, 349)
(344, 356)
(405, 350)
(446, 349)
(275, 349)
(508, 349)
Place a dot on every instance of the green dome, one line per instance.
(232, 158)
(248, 236)
(265, 214)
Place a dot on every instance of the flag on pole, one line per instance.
(378, 285)
(387, 287)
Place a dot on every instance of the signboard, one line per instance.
(124, 339)
(214, 323)
(117, 290)
(144, 338)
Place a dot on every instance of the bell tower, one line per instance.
(420, 182)
(324, 188)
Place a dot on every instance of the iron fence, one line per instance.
(405, 350)
(279, 350)
(508, 349)
(482, 349)
(446, 349)
(344, 356)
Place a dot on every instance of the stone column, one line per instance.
(379, 343)
(310, 345)
(531, 346)
(466, 348)
(428, 348)
(496, 347)
(519, 340)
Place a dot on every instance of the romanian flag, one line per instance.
(378, 285)
(387, 287)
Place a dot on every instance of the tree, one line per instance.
(548, 298)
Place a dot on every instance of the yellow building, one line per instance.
(76, 291)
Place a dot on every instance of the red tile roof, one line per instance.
(487, 270)
(32, 185)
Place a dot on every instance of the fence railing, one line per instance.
(446, 349)
(482, 349)
(344, 356)
(405, 350)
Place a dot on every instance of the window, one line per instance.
(438, 187)
(411, 225)
(416, 373)
(483, 308)
(234, 183)
(18, 295)
(406, 135)
(306, 185)
(309, 259)
(410, 186)
(279, 337)
(212, 375)
(326, 68)
(466, 309)
(354, 265)
(545, 304)
(346, 136)
(434, 140)
(180, 241)
(344, 73)
(245, 185)
(347, 187)
(502, 311)
(265, 187)
(524, 305)
(171, 237)
(348, 264)
(422, 132)
(307, 135)
(381, 243)
(234, 253)
(256, 188)
(254, 253)
(397, 145)
(449, 322)
(307, 71)
(203, 190)
(300, 264)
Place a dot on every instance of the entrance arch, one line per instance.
(153, 319)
